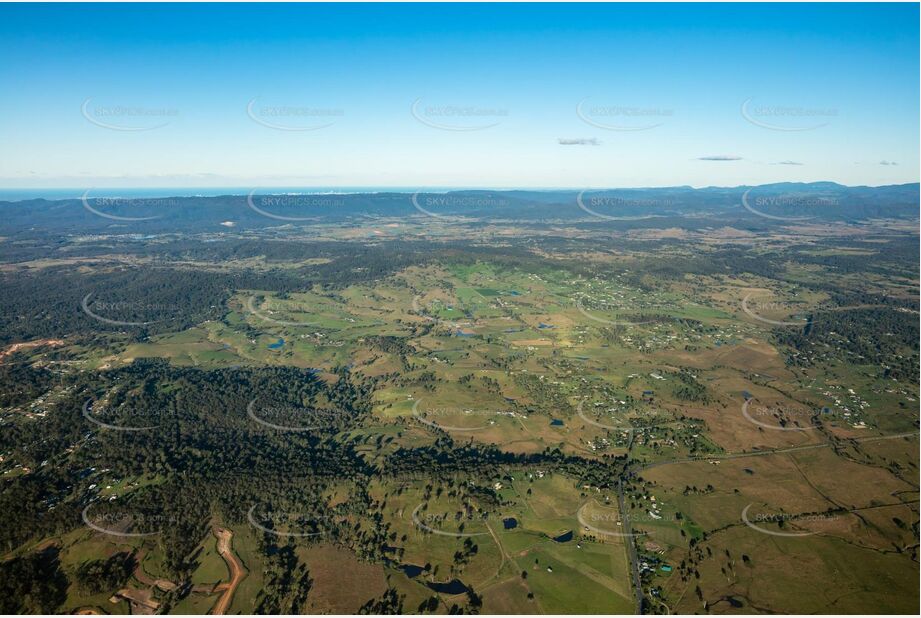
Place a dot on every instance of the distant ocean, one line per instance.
(15, 195)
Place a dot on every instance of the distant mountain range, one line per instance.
(774, 204)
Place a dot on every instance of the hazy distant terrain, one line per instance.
(757, 207)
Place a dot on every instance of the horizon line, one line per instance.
(400, 189)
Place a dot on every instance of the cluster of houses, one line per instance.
(846, 403)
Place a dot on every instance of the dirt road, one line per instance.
(237, 572)
(30, 344)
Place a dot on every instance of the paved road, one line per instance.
(631, 549)
(775, 451)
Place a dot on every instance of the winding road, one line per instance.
(237, 572)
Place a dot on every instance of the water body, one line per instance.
(411, 570)
(149, 192)
(734, 601)
(564, 538)
(556, 422)
(277, 344)
(510, 523)
(455, 586)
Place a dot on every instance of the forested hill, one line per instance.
(776, 204)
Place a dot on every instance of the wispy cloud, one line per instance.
(884, 162)
(788, 163)
(720, 158)
(579, 141)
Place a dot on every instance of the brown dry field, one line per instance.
(847, 483)
(729, 429)
(776, 483)
(341, 583)
(815, 574)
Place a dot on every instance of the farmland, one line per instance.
(534, 428)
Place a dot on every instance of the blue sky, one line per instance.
(427, 95)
